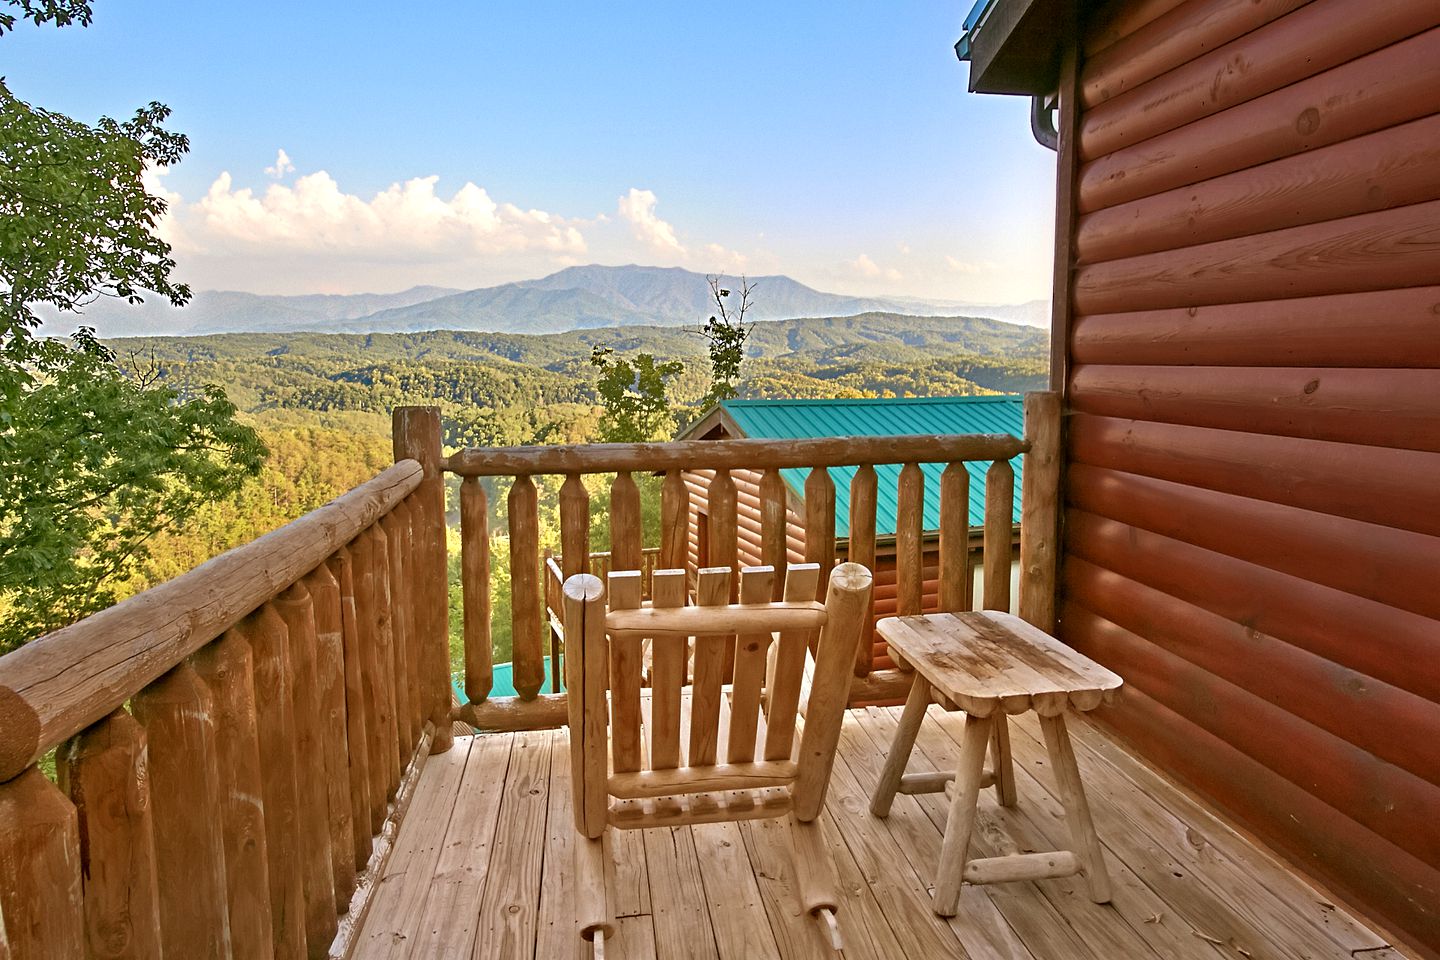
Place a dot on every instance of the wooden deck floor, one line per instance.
(482, 861)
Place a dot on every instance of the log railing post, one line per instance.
(475, 582)
(999, 535)
(105, 773)
(416, 433)
(1040, 510)
(40, 896)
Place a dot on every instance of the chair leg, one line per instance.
(592, 913)
(900, 748)
(1077, 810)
(1001, 763)
(955, 849)
(815, 883)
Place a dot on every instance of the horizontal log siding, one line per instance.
(1251, 529)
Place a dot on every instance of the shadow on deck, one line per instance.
(482, 868)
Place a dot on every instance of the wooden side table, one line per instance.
(993, 665)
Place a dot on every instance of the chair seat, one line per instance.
(985, 661)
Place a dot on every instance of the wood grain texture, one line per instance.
(525, 596)
(105, 773)
(364, 819)
(57, 685)
(956, 584)
(398, 582)
(334, 730)
(625, 525)
(1368, 251)
(820, 523)
(999, 526)
(712, 589)
(1313, 38)
(177, 712)
(1390, 168)
(624, 593)
(757, 585)
(909, 527)
(1385, 88)
(1384, 564)
(227, 667)
(40, 891)
(275, 725)
(730, 454)
(1375, 484)
(296, 609)
(864, 491)
(1180, 35)
(1040, 511)
(1382, 328)
(774, 525)
(1393, 408)
(674, 521)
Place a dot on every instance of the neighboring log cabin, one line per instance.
(1247, 343)
(815, 419)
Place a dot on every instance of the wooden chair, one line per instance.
(656, 762)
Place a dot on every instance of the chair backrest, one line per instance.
(696, 756)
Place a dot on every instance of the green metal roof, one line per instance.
(795, 419)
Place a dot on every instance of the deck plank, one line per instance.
(400, 895)
(486, 854)
(447, 927)
(1222, 904)
(510, 906)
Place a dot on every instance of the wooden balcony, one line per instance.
(259, 758)
(481, 859)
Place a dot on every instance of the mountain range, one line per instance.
(576, 298)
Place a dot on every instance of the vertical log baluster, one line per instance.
(774, 527)
(416, 432)
(178, 715)
(625, 669)
(275, 725)
(396, 585)
(626, 535)
(295, 609)
(999, 534)
(955, 587)
(909, 539)
(105, 773)
(864, 492)
(380, 721)
(529, 671)
(1040, 510)
(574, 526)
(227, 667)
(475, 589)
(674, 521)
(668, 676)
(365, 821)
(41, 902)
(334, 731)
(820, 525)
(384, 633)
(724, 532)
(414, 612)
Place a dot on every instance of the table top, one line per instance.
(989, 660)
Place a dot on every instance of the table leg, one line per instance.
(961, 821)
(1083, 840)
(1000, 763)
(899, 755)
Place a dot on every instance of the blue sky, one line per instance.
(834, 142)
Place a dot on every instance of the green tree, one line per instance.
(633, 394)
(96, 457)
(726, 334)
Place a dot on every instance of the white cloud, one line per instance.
(282, 165)
(406, 219)
(970, 267)
(864, 266)
(638, 208)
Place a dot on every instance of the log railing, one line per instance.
(233, 748)
(533, 583)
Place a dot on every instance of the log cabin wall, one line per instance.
(1251, 361)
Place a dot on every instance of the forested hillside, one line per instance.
(322, 402)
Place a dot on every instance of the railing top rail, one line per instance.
(56, 686)
(732, 454)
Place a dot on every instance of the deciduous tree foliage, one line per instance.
(96, 458)
(633, 393)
